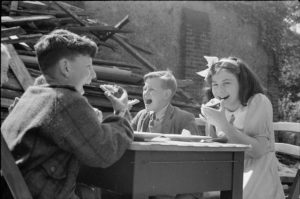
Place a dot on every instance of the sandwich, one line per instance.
(110, 88)
(213, 103)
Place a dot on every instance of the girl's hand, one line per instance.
(213, 116)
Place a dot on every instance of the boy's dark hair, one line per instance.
(249, 83)
(62, 44)
(167, 78)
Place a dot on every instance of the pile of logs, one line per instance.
(24, 22)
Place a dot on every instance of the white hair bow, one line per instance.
(210, 61)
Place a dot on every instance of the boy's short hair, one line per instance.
(62, 44)
(167, 78)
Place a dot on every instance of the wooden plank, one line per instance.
(6, 32)
(24, 19)
(133, 52)
(288, 149)
(12, 174)
(13, 83)
(26, 52)
(115, 63)
(19, 68)
(105, 73)
(119, 25)
(6, 102)
(283, 147)
(7, 3)
(46, 12)
(98, 28)
(29, 58)
(64, 20)
(11, 94)
(38, 5)
(4, 8)
(21, 38)
(295, 189)
(70, 7)
(142, 49)
(78, 20)
(287, 126)
(119, 40)
(116, 74)
(13, 6)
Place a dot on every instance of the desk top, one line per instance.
(186, 146)
(146, 136)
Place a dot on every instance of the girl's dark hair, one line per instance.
(62, 44)
(249, 83)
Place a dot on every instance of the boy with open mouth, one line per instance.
(159, 115)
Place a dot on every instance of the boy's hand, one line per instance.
(119, 103)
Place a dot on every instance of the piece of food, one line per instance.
(213, 103)
(110, 88)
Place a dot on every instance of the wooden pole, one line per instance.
(19, 69)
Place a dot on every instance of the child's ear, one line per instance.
(168, 93)
(64, 67)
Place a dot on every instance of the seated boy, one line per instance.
(159, 115)
(53, 129)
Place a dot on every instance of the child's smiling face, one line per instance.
(225, 86)
(155, 97)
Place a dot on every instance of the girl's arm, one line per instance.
(258, 144)
(258, 130)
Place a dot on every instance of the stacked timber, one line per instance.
(24, 22)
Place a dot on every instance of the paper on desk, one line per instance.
(195, 144)
(146, 136)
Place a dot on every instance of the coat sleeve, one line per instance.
(92, 142)
(136, 121)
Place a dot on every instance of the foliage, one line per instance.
(289, 105)
(274, 20)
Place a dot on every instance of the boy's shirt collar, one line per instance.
(59, 86)
(161, 113)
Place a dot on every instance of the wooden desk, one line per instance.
(152, 168)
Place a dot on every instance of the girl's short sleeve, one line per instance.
(259, 117)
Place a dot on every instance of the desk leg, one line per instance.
(237, 178)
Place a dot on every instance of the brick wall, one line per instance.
(195, 43)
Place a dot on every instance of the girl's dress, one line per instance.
(261, 179)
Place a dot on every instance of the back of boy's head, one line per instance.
(168, 80)
(249, 83)
(62, 44)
